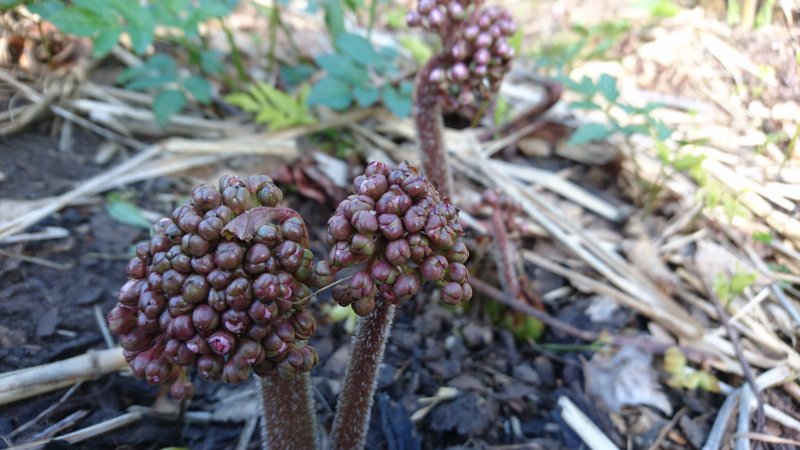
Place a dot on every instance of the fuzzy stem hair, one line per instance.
(355, 402)
(428, 120)
(289, 421)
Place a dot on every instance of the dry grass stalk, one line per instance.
(37, 380)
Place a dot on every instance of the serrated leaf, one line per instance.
(104, 42)
(357, 48)
(585, 105)
(125, 212)
(143, 84)
(399, 104)
(243, 101)
(211, 61)
(589, 132)
(340, 66)
(199, 88)
(365, 96)
(168, 103)
(331, 92)
(78, 21)
(607, 85)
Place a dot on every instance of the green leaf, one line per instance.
(607, 85)
(294, 75)
(199, 88)
(741, 281)
(365, 96)
(334, 18)
(143, 84)
(125, 212)
(585, 105)
(211, 61)
(331, 92)
(105, 41)
(637, 128)
(243, 101)
(589, 132)
(765, 237)
(688, 161)
(399, 104)
(168, 103)
(584, 87)
(79, 22)
(357, 48)
(419, 50)
(342, 67)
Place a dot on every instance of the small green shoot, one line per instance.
(274, 107)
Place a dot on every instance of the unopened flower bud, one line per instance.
(398, 251)
(228, 255)
(221, 342)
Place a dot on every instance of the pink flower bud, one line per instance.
(397, 252)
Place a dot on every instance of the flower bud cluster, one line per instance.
(397, 225)
(221, 286)
(476, 53)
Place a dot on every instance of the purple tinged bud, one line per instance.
(467, 288)
(434, 267)
(182, 390)
(425, 6)
(234, 373)
(261, 312)
(221, 342)
(198, 345)
(158, 244)
(373, 186)
(195, 289)
(481, 71)
(484, 21)
(181, 327)
(203, 265)
(178, 305)
(210, 367)
(339, 227)
(269, 194)
(459, 72)
(210, 228)
(391, 226)
(384, 272)
(228, 255)
(483, 40)
(152, 304)
(219, 279)
(377, 167)
(324, 274)
(457, 272)
(294, 229)
(482, 57)
(173, 233)
(223, 212)
(452, 293)
(290, 255)
(406, 285)
(436, 18)
(239, 294)
(415, 186)
(136, 268)
(362, 285)
(194, 245)
(147, 324)
(121, 319)
(502, 48)
(456, 11)
(459, 50)
(189, 221)
(206, 197)
(415, 218)
(365, 222)
(471, 32)
(205, 319)
(362, 245)
(237, 198)
(172, 281)
(398, 252)
(413, 19)
(341, 255)
(436, 76)
(420, 247)
(134, 340)
(304, 325)
(268, 234)
(258, 331)
(158, 371)
(143, 251)
(363, 306)
(266, 287)
(395, 201)
(129, 292)
(341, 294)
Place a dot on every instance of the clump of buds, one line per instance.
(403, 233)
(476, 53)
(221, 287)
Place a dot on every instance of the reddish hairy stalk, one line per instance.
(355, 403)
(428, 120)
(504, 256)
(289, 419)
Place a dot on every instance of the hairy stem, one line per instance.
(428, 120)
(289, 421)
(355, 402)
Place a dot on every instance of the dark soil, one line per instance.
(508, 387)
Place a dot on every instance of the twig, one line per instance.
(47, 411)
(35, 260)
(667, 428)
(61, 425)
(743, 423)
(102, 323)
(37, 380)
(247, 432)
(88, 432)
(591, 435)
